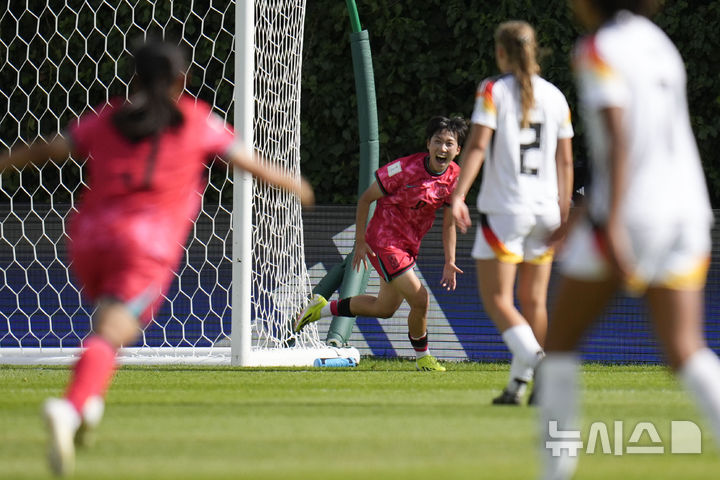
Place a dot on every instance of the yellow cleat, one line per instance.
(311, 312)
(428, 363)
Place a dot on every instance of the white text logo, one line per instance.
(685, 437)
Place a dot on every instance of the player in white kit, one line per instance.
(647, 221)
(521, 124)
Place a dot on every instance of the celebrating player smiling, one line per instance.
(408, 191)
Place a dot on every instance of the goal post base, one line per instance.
(300, 357)
(285, 357)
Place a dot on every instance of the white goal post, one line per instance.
(243, 277)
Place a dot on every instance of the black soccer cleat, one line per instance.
(532, 399)
(506, 398)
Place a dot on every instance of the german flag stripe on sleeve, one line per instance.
(485, 92)
(594, 60)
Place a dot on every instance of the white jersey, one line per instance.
(520, 173)
(631, 64)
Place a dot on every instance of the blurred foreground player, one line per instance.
(146, 161)
(408, 191)
(648, 218)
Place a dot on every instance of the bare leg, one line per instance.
(678, 319)
(532, 291)
(405, 287)
(578, 304)
(383, 306)
(495, 282)
(114, 327)
(409, 287)
(677, 316)
(70, 418)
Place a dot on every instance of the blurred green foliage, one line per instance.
(430, 55)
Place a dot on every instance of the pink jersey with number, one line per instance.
(412, 195)
(136, 214)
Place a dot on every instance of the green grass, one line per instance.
(381, 420)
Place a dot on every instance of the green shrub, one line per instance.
(428, 58)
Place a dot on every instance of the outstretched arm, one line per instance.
(564, 163)
(362, 250)
(271, 174)
(37, 153)
(618, 243)
(449, 242)
(470, 162)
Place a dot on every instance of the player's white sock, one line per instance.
(701, 376)
(62, 421)
(521, 341)
(526, 353)
(557, 392)
(325, 311)
(520, 375)
(421, 354)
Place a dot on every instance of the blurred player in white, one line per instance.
(648, 218)
(146, 160)
(521, 124)
(408, 191)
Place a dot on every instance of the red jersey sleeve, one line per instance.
(392, 176)
(212, 134)
(218, 137)
(81, 132)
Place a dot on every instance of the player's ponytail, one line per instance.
(517, 38)
(151, 110)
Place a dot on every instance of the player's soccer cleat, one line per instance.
(91, 415)
(506, 398)
(311, 312)
(532, 399)
(428, 363)
(62, 422)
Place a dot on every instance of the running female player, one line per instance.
(648, 218)
(524, 197)
(408, 191)
(145, 161)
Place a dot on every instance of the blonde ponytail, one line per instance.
(517, 38)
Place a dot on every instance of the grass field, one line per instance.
(381, 420)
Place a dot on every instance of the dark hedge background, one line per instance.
(429, 56)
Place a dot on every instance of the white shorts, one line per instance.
(673, 255)
(515, 238)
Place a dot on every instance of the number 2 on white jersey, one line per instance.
(524, 147)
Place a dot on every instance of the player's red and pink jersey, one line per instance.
(412, 195)
(150, 189)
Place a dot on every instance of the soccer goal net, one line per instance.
(58, 59)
